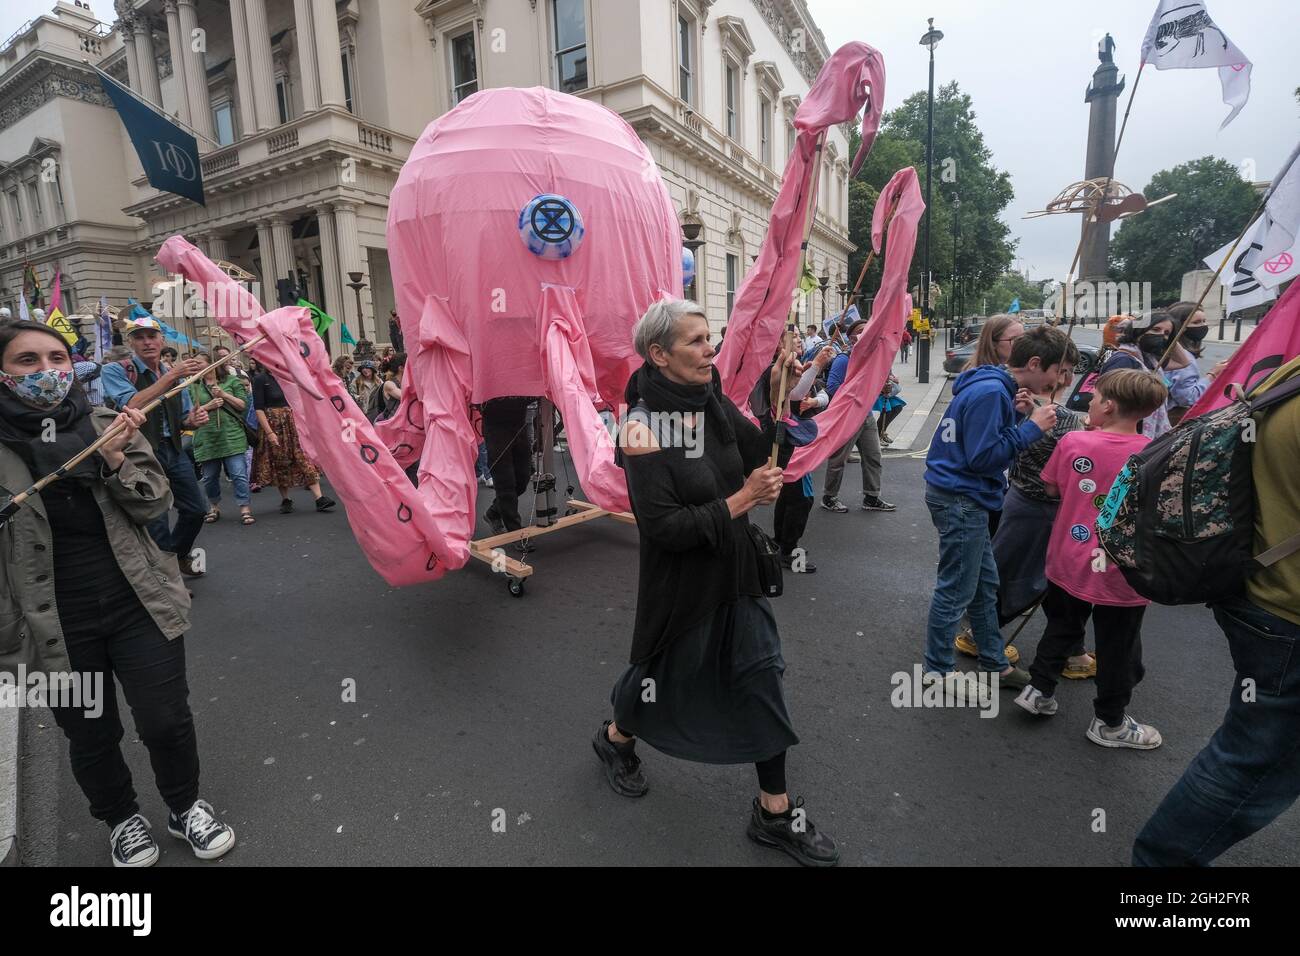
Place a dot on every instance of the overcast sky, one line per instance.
(1026, 65)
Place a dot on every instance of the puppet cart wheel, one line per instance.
(516, 586)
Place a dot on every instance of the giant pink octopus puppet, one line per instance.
(528, 231)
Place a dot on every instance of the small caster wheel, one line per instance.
(516, 586)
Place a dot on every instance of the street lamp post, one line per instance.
(844, 296)
(356, 285)
(930, 40)
(824, 280)
(952, 292)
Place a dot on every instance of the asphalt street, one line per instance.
(473, 705)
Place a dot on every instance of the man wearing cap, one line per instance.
(163, 429)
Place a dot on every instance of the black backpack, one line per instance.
(1180, 517)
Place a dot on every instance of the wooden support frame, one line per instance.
(482, 548)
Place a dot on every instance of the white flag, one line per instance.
(1183, 37)
(1282, 221)
(1241, 287)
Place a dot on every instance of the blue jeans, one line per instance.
(967, 581)
(236, 470)
(186, 496)
(1249, 772)
(481, 466)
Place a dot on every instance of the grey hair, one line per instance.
(659, 324)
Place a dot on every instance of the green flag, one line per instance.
(808, 282)
(319, 318)
(347, 336)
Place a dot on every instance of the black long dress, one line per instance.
(704, 634)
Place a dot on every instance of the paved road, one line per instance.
(469, 700)
(1213, 352)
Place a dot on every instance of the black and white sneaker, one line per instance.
(132, 843)
(875, 503)
(833, 503)
(207, 836)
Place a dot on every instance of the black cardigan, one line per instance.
(694, 555)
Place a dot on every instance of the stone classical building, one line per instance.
(305, 110)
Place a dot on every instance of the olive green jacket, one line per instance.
(29, 621)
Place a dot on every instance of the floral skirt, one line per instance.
(285, 465)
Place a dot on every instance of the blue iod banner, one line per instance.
(169, 155)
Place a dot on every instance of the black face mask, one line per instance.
(1197, 334)
(1155, 343)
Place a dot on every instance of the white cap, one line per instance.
(5, 313)
(38, 315)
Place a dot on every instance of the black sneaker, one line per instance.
(286, 506)
(188, 569)
(325, 504)
(132, 843)
(207, 836)
(875, 503)
(622, 765)
(833, 503)
(793, 833)
(495, 522)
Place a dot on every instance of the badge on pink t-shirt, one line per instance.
(1083, 466)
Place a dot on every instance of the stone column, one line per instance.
(132, 63)
(265, 248)
(306, 44)
(282, 237)
(263, 72)
(147, 60)
(332, 270)
(177, 45)
(217, 248)
(345, 218)
(196, 77)
(50, 200)
(329, 60)
(243, 68)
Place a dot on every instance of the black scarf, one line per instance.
(22, 428)
(651, 386)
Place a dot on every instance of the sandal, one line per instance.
(246, 517)
(214, 514)
(286, 506)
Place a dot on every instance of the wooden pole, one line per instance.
(14, 503)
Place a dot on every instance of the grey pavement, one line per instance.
(470, 701)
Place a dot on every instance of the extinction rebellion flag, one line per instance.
(169, 155)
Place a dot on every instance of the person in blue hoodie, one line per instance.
(992, 418)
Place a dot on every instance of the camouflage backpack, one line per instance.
(1180, 518)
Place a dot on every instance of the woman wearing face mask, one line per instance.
(84, 590)
(1142, 341)
(1182, 370)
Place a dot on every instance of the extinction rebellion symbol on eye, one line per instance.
(551, 226)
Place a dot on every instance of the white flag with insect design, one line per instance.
(1183, 37)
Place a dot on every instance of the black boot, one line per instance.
(794, 833)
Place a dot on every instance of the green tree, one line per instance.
(1159, 245)
(963, 168)
(1009, 287)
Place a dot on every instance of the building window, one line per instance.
(464, 67)
(34, 201)
(733, 275)
(282, 97)
(17, 209)
(765, 130)
(733, 99)
(569, 22)
(58, 192)
(685, 60)
(347, 81)
(790, 137)
(223, 121)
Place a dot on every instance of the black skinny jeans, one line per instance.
(114, 635)
(1119, 648)
(509, 456)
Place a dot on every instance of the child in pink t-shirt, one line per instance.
(1082, 583)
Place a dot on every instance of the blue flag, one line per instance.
(169, 155)
(1015, 306)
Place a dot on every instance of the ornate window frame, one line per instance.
(552, 45)
(696, 14)
(737, 49)
(769, 94)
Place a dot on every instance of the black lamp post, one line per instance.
(692, 241)
(356, 285)
(844, 296)
(930, 40)
(952, 292)
(824, 280)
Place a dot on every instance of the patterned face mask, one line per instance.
(44, 389)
